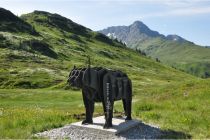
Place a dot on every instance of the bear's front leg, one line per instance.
(89, 109)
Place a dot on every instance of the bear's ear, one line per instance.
(74, 67)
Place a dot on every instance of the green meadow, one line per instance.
(182, 108)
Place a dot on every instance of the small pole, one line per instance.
(88, 61)
(89, 69)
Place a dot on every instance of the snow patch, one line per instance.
(111, 35)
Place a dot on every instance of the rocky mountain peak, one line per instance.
(139, 24)
(140, 28)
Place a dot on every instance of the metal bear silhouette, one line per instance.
(102, 85)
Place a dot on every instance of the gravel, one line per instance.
(141, 131)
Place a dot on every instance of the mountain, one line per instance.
(172, 50)
(132, 34)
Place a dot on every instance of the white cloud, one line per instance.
(192, 11)
(169, 7)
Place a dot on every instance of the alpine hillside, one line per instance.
(44, 59)
(37, 51)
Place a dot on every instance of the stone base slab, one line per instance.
(119, 124)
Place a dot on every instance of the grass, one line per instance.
(173, 107)
(182, 108)
(24, 112)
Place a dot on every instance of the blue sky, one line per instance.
(187, 18)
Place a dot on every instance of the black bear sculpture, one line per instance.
(102, 85)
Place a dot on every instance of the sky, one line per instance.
(189, 19)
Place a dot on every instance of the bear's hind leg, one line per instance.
(109, 115)
(128, 110)
(124, 106)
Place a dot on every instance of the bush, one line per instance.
(103, 38)
(145, 107)
(38, 46)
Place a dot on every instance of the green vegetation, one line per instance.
(24, 112)
(184, 56)
(182, 107)
(34, 95)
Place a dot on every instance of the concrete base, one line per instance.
(119, 124)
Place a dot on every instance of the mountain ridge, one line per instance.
(12, 23)
(143, 29)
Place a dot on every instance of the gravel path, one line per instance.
(142, 131)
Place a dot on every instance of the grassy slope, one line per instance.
(27, 111)
(184, 56)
